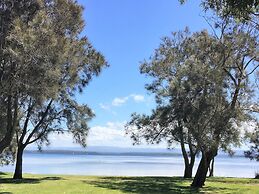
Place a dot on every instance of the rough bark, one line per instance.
(18, 165)
(188, 163)
(211, 168)
(201, 174)
(188, 171)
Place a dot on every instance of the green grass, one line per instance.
(40, 184)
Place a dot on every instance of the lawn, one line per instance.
(40, 184)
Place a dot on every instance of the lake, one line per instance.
(134, 164)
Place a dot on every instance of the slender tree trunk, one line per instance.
(201, 174)
(18, 166)
(211, 169)
(188, 163)
(236, 93)
(188, 171)
(189, 166)
(192, 161)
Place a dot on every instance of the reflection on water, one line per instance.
(119, 165)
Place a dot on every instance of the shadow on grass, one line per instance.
(27, 180)
(231, 180)
(152, 185)
(4, 180)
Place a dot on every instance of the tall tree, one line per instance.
(236, 55)
(47, 62)
(215, 74)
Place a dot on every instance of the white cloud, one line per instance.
(62, 140)
(119, 101)
(111, 134)
(138, 98)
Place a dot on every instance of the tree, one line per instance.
(235, 54)
(239, 48)
(50, 62)
(59, 116)
(208, 110)
(213, 72)
(244, 11)
(171, 119)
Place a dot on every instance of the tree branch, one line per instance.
(231, 76)
(252, 71)
(29, 110)
(39, 123)
(39, 136)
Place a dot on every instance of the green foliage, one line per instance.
(204, 82)
(253, 137)
(240, 9)
(8, 156)
(46, 62)
(61, 62)
(10, 10)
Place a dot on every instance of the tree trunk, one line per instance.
(212, 168)
(187, 166)
(188, 171)
(201, 174)
(18, 166)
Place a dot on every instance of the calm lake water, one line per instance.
(127, 165)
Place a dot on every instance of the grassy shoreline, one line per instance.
(55, 184)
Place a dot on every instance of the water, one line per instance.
(125, 165)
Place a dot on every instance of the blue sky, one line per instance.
(126, 32)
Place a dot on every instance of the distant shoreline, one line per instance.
(109, 153)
